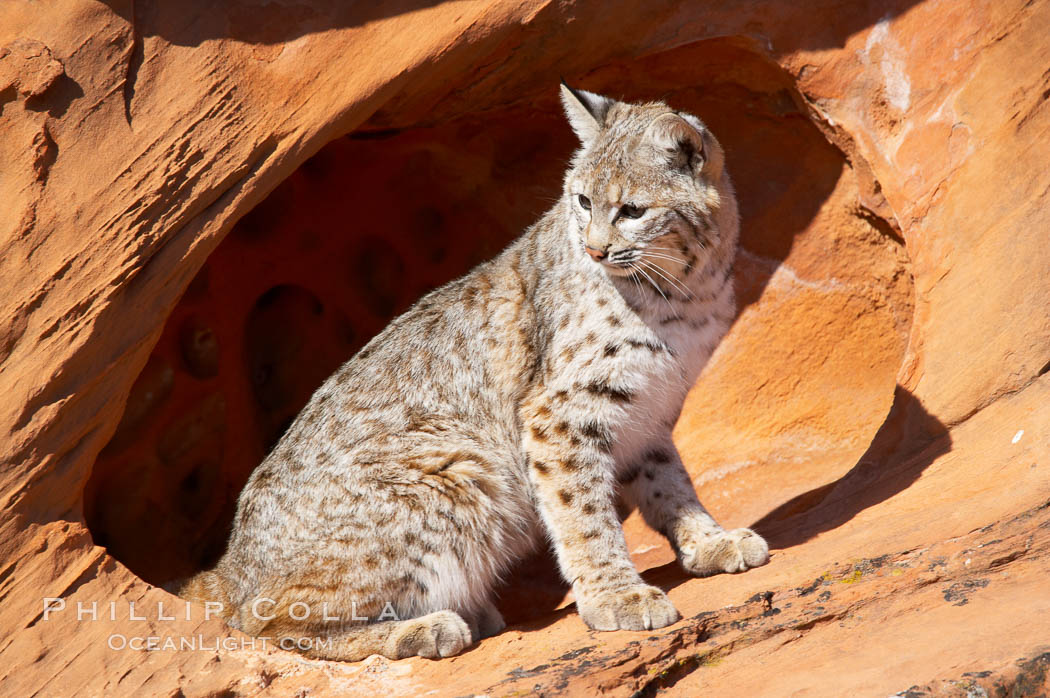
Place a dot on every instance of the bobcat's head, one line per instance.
(647, 188)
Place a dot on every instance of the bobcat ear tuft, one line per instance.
(586, 111)
(679, 139)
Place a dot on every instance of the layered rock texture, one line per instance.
(209, 206)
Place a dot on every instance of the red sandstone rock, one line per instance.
(190, 244)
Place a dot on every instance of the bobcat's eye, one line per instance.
(631, 211)
(584, 202)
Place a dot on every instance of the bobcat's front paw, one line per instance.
(486, 622)
(724, 551)
(634, 607)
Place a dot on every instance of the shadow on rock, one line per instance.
(906, 444)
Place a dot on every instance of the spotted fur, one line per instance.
(516, 402)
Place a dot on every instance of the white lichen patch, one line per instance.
(890, 62)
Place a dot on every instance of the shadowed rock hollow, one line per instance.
(211, 210)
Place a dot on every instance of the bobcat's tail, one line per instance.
(204, 587)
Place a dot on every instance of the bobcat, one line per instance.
(509, 404)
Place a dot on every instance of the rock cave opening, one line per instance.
(380, 216)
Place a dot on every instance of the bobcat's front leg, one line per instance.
(661, 488)
(571, 470)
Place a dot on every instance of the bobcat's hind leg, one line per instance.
(435, 635)
(321, 624)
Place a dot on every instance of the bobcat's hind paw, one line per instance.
(725, 551)
(439, 634)
(635, 607)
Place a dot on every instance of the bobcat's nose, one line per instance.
(596, 254)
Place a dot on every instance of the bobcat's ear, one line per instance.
(679, 139)
(586, 111)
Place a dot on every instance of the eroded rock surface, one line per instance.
(207, 208)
